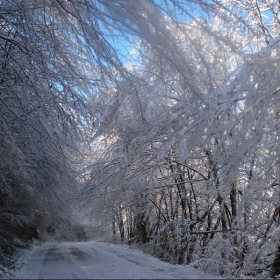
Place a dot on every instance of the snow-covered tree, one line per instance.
(53, 55)
(190, 164)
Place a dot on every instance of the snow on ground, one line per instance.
(84, 260)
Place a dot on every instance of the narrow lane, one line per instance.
(97, 260)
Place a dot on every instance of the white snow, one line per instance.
(92, 260)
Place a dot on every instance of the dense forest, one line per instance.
(158, 120)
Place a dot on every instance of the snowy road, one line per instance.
(99, 260)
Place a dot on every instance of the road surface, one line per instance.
(96, 260)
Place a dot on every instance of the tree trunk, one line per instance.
(275, 268)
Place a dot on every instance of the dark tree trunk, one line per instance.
(275, 269)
